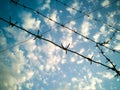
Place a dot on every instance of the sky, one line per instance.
(27, 63)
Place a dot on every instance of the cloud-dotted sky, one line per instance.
(33, 64)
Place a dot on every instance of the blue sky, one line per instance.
(28, 64)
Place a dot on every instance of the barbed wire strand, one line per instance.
(91, 11)
(108, 60)
(62, 25)
(95, 19)
(19, 43)
(61, 46)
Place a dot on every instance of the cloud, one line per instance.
(74, 5)
(46, 5)
(110, 18)
(73, 59)
(29, 85)
(118, 36)
(99, 15)
(96, 37)
(54, 17)
(105, 2)
(103, 30)
(85, 28)
(87, 82)
(52, 57)
(93, 1)
(29, 22)
(67, 35)
(107, 75)
(41, 67)
(30, 46)
(29, 74)
(117, 46)
(11, 73)
(80, 62)
(12, 64)
(74, 79)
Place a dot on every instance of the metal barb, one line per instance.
(65, 48)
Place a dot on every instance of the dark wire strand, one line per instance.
(62, 25)
(19, 43)
(95, 19)
(62, 47)
(91, 11)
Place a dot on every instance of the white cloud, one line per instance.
(67, 37)
(29, 74)
(81, 50)
(107, 75)
(30, 45)
(71, 25)
(99, 15)
(54, 17)
(46, 5)
(93, 82)
(105, 2)
(118, 36)
(41, 67)
(31, 56)
(110, 18)
(103, 30)
(29, 85)
(13, 33)
(74, 79)
(74, 5)
(80, 61)
(73, 59)
(29, 22)
(52, 57)
(93, 1)
(52, 63)
(88, 82)
(11, 73)
(117, 46)
(85, 28)
(96, 37)
(12, 64)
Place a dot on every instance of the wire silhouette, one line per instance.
(108, 60)
(62, 25)
(87, 14)
(90, 11)
(105, 42)
(19, 43)
(63, 48)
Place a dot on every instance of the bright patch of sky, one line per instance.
(27, 63)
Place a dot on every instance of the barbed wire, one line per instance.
(113, 68)
(64, 26)
(108, 60)
(92, 11)
(21, 42)
(87, 14)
